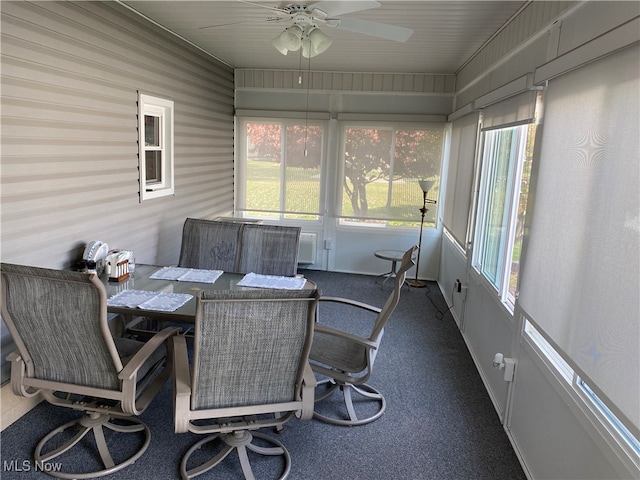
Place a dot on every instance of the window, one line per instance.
(155, 146)
(380, 169)
(506, 157)
(280, 169)
(582, 392)
(553, 358)
(608, 416)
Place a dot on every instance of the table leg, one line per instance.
(390, 274)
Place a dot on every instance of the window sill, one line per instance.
(148, 194)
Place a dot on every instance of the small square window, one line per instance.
(155, 146)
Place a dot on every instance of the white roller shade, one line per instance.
(517, 109)
(580, 279)
(464, 134)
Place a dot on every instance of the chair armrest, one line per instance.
(18, 375)
(342, 334)
(353, 303)
(134, 402)
(14, 356)
(181, 384)
(309, 383)
(131, 369)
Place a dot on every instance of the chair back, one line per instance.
(394, 297)
(58, 320)
(251, 346)
(270, 250)
(210, 244)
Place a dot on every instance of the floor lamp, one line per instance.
(425, 185)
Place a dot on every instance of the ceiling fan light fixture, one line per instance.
(277, 43)
(319, 40)
(289, 40)
(292, 37)
(307, 49)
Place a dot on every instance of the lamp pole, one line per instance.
(415, 282)
(425, 185)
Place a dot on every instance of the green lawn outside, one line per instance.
(303, 190)
(263, 188)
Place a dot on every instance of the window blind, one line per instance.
(520, 108)
(580, 279)
(464, 134)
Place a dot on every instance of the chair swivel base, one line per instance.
(94, 423)
(348, 390)
(239, 441)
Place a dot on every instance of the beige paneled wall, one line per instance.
(522, 43)
(346, 81)
(70, 76)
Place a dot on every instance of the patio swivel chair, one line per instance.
(346, 359)
(65, 352)
(249, 371)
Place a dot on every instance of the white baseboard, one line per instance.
(12, 406)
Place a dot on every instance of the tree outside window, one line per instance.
(381, 166)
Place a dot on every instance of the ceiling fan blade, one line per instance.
(374, 29)
(333, 8)
(245, 22)
(276, 9)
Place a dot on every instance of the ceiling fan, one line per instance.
(305, 19)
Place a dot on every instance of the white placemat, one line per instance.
(272, 281)
(160, 301)
(187, 274)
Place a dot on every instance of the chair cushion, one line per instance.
(127, 348)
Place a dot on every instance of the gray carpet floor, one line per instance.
(439, 424)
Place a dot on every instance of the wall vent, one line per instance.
(307, 250)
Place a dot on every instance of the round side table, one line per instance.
(394, 256)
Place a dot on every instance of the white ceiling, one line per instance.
(446, 33)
